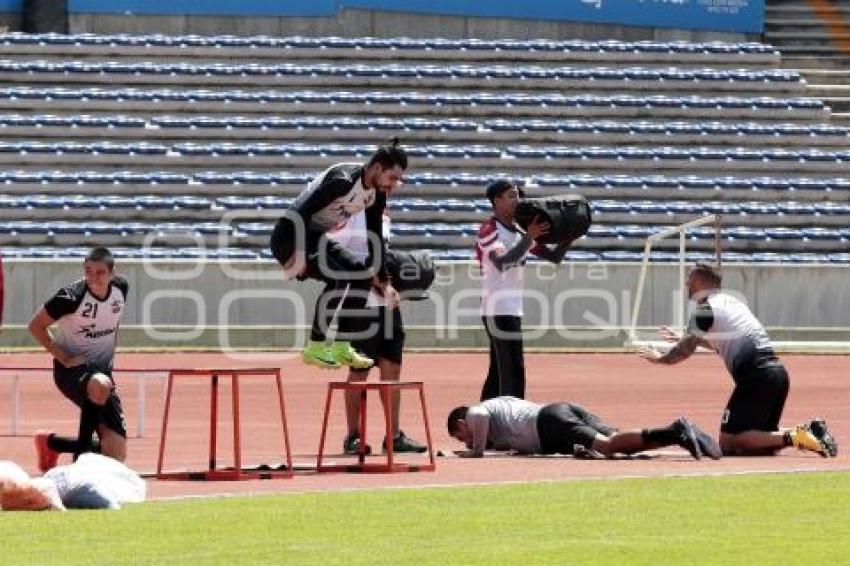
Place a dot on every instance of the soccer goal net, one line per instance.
(661, 296)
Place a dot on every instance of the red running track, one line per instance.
(624, 389)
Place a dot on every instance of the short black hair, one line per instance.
(499, 186)
(457, 414)
(389, 154)
(707, 273)
(101, 254)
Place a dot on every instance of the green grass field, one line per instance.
(753, 519)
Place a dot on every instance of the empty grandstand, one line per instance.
(137, 140)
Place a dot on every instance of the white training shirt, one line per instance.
(501, 291)
(88, 325)
(354, 237)
(733, 331)
(337, 194)
(506, 422)
(97, 482)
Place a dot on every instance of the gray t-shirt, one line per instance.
(97, 482)
(733, 331)
(506, 423)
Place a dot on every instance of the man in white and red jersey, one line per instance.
(501, 249)
(724, 324)
(87, 314)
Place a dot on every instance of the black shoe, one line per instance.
(827, 441)
(351, 445)
(707, 445)
(401, 443)
(686, 438)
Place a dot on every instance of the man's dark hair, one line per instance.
(707, 273)
(457, 414)
(101, 254)
(390, 154)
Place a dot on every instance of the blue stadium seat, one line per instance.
(616, 255)
(684, 207)
(643, 207)
(400, 229)
(837, 208)
(446, 230)
(768, 257)
(419, 204)
(581, 255)
(842, 258)
(446, 151)
(783, 233)
(743, 233)
(757, 207)
(611, 206)
(602, 231)
(806, 258)
(796, 208)
(820, 233)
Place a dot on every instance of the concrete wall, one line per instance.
(247, 304)
(359, 23)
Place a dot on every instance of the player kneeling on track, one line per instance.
(87, 313)
(92, 482)
(508, 423)
(724, 324)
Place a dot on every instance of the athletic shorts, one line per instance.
(72, 382)
(562, 426)
(385, 340)
(757, 401)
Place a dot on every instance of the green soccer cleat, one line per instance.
(343, 354)
(320, 355)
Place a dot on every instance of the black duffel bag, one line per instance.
(411, 274)
(568, 216)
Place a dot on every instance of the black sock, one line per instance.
(660, 436)
(62, 444)
(786, 438)
(89, 419)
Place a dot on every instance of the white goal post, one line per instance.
(682, 230)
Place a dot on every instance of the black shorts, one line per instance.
(384, 338)
(757, 401)
(282, 242)
(562, 426)
(72, 382)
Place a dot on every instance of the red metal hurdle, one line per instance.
(236, 472)
(385, 390)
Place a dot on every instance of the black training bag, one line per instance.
(410, 274)
(568, 215)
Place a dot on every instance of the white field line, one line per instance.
(618, 477)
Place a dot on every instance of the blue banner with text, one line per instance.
(723, 15)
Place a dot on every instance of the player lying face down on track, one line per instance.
(723, 324)
(508, 423)
(92, 482)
